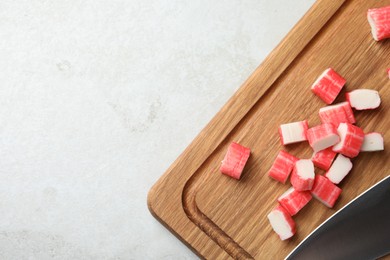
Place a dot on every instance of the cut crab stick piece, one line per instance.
(362, 99)
(328, 85)
(302, 176)
(282, 166)
(372, 142)
(325, 191)
(322, 136)
(379, 20)
(293, 201)
(336, 114)
(282, 223)
(293, 132)
(388, 72)
(351, 139)
(235, 160)
(324, 158)
(340, 168)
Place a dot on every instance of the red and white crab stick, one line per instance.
(379, 20)
(362, 99)
(336, 114)
(235, 159)
(328, 85)
(293, 132)
(322, 136)
(351, 140)
(372, 142)
(340, 168)
(282, 166)
(324, 158)
(325, 191)
(281, 222)
(293, 201)
(388, 72)
(302, 176)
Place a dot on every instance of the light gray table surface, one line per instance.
(98, 98)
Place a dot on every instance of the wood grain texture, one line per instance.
(219, 217)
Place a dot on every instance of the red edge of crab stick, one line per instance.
(372, 142)
(293, 201)
(351, 139)
(340, 168)
(379, 20)
(282, 223)
(388, 72)
(282, 166)
(324, 158)
(235, 159)
(302, 176)
(362, 99)
(336, 114)
(325, 191)
(322, 136)
(293, 132)
(328, 85)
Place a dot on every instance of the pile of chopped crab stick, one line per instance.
(334, 142)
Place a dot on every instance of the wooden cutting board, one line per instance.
(219, 217)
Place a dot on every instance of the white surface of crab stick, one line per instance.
(281, 222)
(372, 142)
(379, 20)
(362, 99)
(302, 176)
(293, 132)
(339, 169)
(322, 136)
